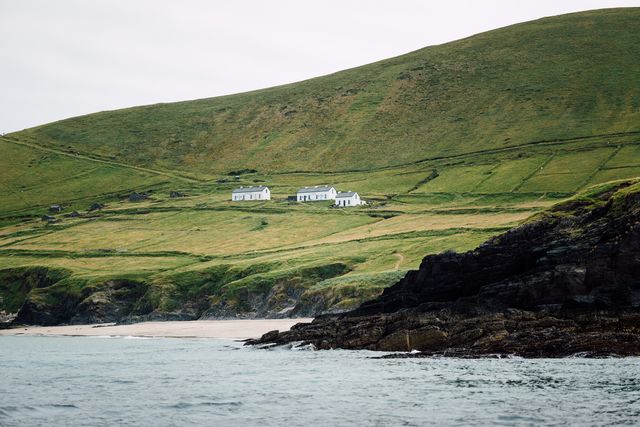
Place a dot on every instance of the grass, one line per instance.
(625, 157)
(458, 179)
(507, 176)
(552, 79)
(614, 174)
(450, 145)
(31, 178)
(197, 232)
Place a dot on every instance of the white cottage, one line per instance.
(348, 198)
(251, 193)
(312, 194)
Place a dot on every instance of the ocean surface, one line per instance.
(96, 381)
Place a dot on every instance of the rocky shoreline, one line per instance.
(513, 332)
(566, 283)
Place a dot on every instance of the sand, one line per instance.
(228, 329)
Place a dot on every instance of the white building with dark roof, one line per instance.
(251, 194)
(345, 199)
(317, 193)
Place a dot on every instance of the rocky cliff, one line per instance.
(566, 282)
(46, 296)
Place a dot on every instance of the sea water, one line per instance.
(89, 381)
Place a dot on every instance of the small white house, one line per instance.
(312, 194)
(251, 193)
(348, 198)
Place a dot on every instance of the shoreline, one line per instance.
(224, 329)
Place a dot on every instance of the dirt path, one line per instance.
(399, 261)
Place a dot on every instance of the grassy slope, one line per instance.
(561, 77)
(30, 178)
(488, 93)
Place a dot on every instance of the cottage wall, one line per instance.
(348, 201)
(254, 195)
(316, 195)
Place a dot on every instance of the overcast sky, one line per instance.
(69, 57)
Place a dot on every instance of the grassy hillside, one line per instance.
(452, 144)
(557, 78)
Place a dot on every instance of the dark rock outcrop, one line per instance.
(137, 197)
(566, 283)
(111, 302)
(47, 312)
(23, 286)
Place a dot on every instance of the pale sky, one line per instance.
(65, 58)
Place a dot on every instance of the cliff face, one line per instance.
(46, 296)
(587, 259)
(565, 283)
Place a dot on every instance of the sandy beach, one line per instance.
(228, 329)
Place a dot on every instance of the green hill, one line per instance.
(450, 144)
(556, 78)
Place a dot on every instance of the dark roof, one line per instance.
(346, 194)
(316, 189)
(249, 189)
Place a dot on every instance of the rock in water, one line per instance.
(566, 282)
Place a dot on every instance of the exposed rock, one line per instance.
(191, 296)
(176, 194)
(95, 207)
(47, 218)
(566, 283)
(55, 208)
(137, 197)
(111, 302)
(74, 214)
(241, 172)
(280, 301)
(6, 319)
(37, 311)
